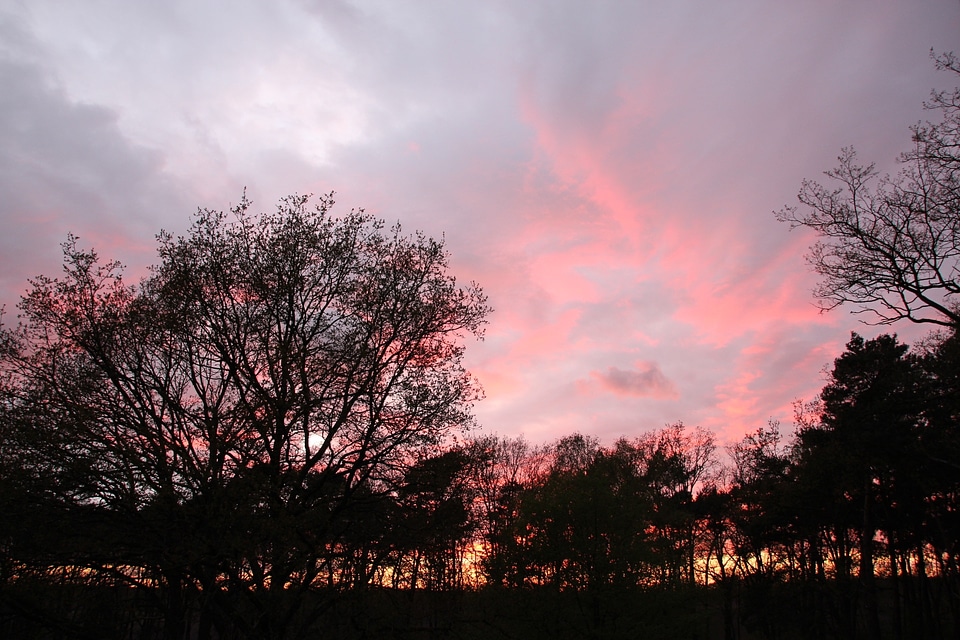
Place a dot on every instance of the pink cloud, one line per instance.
(725, 295)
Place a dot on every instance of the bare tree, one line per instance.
(247, 406)
(890, 246)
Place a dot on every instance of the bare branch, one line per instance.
(890, 246)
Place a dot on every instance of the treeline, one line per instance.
(855, 517)
(849, 528)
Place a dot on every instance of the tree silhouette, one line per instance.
(864, 438)
(891, 246)
(245, 403)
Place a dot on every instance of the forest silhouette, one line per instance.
(270, 436)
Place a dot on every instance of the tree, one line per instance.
(435, 521)
(269, 380)
(891, 246)
(863, 447)
(758, 488)
(503, 469)
(676, 462)
(939, 523)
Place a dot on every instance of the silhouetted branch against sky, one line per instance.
(890, 246)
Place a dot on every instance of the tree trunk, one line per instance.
(867, 581)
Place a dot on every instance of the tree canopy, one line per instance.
(230, 418)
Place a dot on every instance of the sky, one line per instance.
(607, 171)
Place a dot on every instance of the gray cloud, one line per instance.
(65, 167)
(645, 381)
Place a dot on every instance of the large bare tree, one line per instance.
(248, 405)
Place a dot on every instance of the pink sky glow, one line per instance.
(607, 171)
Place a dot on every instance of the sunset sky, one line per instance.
(607, 171)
